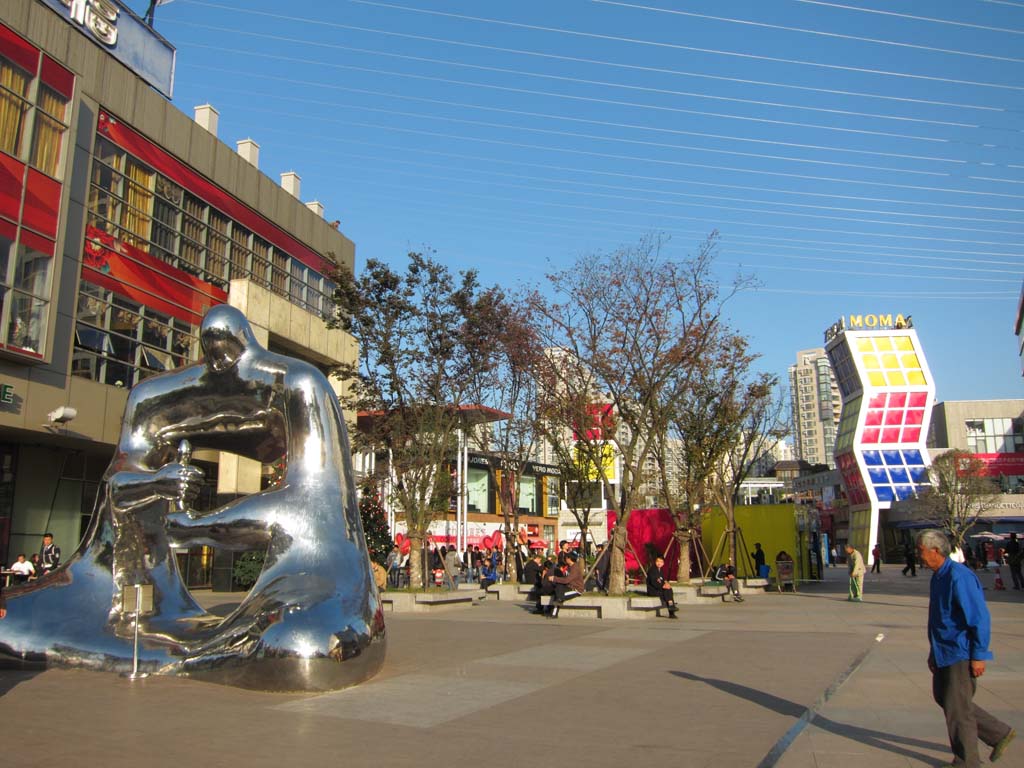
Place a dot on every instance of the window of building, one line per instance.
(477, 484)
(29, 292)
(999, 435)
(14, 106)
(553, 496)
(141, 207)
(49, 131)
(121, 342)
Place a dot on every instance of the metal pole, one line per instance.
(136, 675)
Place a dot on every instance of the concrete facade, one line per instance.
(49, 471)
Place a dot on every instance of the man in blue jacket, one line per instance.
(958, 633)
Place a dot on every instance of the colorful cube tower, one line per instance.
(887, 393)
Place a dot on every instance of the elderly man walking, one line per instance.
(855, 563)
(958, 633)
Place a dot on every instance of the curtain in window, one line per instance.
(139, 198)
(49, 130)
(217, 245)
(239, 252)
(13, 86)
(279, 273)
(194, 231)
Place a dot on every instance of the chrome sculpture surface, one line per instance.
(311, 622)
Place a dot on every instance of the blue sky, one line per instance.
(864, 156)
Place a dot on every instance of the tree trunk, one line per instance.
(416, 561)
(617, 569)
(683, 536)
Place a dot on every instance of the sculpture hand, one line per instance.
(178, 481)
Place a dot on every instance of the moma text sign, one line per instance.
(859, 322)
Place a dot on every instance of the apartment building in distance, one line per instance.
(816, 407)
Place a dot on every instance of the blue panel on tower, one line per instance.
(899, 475)
(878, 476)
(905, 492)
(913, 458)
(892, 458)
(884, 492)
(873, 458)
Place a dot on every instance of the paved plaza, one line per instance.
(795, 681)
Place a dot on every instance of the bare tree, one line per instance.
(628, 320)
(410, 378)
(961, 492)
(503, 352)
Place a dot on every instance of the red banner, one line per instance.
(997, 464)
(140, 277)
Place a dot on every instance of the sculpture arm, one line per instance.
(131, 489)
(241, 524)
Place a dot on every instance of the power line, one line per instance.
(801, 30)
(933, 20)
(676, 46)
(569, 59)
(634, 175)
(561, 78)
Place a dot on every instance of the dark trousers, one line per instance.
(911, 566)
(1015, 574)
(953, 689)
(667, 600)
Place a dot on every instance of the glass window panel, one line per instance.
(156, 360)
(6, 246)
(217, 246)
(94, 339)
(239, 252)
(260, 260)
(13, 106)
(27, 327)
(32, 271)
(155, 330)
(279, 273)
(48, 140)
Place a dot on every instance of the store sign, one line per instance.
(887, 321)
(6, 393)
(115, 28)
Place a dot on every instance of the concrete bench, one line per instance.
(418, 602)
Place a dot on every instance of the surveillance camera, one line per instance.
(62, 415)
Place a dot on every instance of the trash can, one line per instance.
(766, 571)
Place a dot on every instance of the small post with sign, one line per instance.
(142, 596)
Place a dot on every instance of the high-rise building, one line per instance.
(887, 392)
(816, 407)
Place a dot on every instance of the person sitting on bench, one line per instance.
(727, 575)
(658, 586)
(569, 586)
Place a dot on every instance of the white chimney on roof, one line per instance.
(316, 207)
(249, 151)
(290, 182)
(206, 117)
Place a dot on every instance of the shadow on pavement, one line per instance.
(10, 678)
(889, 742)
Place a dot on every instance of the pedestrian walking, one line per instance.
(959, 627)
(855, 565)
(1013, 559)
(910, 554)
(876, 557)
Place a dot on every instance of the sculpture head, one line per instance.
(225, 336)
